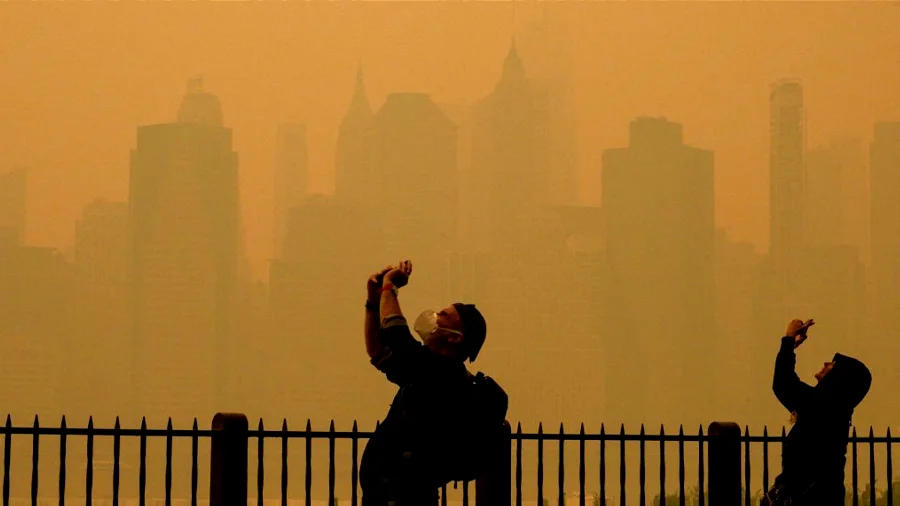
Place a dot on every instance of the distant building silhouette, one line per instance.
(660, 226)
(291, 175)
(787, 193)
(13, 195)
(354, 182)
(884, 160)
(101, 323)
(411, 152)
(184, 226)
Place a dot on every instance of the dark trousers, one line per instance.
(394, 497)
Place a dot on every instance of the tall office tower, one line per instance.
(411, 154)
(184, 229)
(12, 207)
(503, 157)
(353, 179)
(787, 192)
(546, 47)
(660, 227)
(291, 176)
(884, 169)
(101, 325)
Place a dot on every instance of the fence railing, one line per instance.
(722, 473)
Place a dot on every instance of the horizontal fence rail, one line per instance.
(619, 463)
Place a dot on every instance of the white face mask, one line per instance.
(426, 325)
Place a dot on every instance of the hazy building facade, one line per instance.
(13, 195)
(660, 227)
(101, 324)
(291, 175)
(884, 168)
(787, 195)
(184, 229)
(353, 181)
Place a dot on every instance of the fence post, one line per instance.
(724, 464)
(494, 487)
(228, 460)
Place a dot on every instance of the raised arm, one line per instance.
(372, 326)
(788, 388)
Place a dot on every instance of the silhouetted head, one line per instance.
(457, 331)
(846, 379)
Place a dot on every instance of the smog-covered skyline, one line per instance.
(627, 60)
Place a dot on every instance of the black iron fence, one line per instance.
(719, 466)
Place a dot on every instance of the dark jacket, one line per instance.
(814, 453)
(408, 454)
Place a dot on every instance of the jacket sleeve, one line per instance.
(788, 388)
(403, 359)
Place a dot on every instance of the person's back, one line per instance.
(814, 453)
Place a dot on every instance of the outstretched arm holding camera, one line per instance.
(786, 385)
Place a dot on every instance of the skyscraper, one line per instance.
(291, 175)
(184, 229)
(787, 190)
(660, 226)
(884, 160)
(353, 179)
(12, 207)
(101, 317)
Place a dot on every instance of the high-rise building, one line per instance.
(787, 191)
(825, 208)
(660, 228)
(411, 153)
(184, 230)
(291, 175)
(12, 208)
(884, 169)
(504, 155)
(101, 328)
(353, 179)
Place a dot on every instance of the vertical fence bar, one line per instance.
(444, 495)
(354, 469)
(142, 472)
(602, 465)
(662, 465)
(890, 471)
(765, 459)
(681, 492)
(642, 473)
(622, 465)
(7, 457)
(308, 480)
(701, 471)
(284, 461)
(871, 466)
(581, 476)
(194, 464)
(855, 475)
(117, 454)
(260, 460)
(62, 462)
(540, 463)
(331, 464)
(494, 487)
(35, 451)
(465, 487)
(746, 465)
(168, 476)
(89, 472)
(519, 464)
(561, 464)
(228, 460)
(724, 464)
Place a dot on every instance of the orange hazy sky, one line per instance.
(76, 79)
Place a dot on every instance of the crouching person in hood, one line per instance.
(815, 451)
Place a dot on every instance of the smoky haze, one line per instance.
(638, 197)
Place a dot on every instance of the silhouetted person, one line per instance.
(816, 447)
(437, 422)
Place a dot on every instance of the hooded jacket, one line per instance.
(816, 447)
